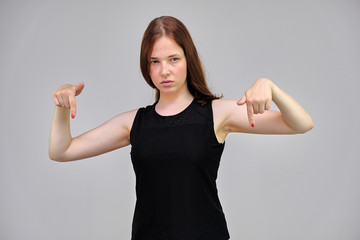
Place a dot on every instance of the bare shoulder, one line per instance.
(117, 129)
(224, 112)
(125, 119)
(224, 108)
(120, 125)
(224, 103)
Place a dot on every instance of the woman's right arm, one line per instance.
(109, 136)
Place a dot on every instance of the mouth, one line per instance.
(167, 83)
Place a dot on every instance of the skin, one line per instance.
(168, 73)
(251, 114)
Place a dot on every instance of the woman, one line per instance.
(177, 142)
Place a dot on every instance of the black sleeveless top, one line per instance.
(176, 159)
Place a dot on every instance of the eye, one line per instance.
(154, 61)
(175, 59)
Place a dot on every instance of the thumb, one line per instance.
(242, 101)
(79, 88)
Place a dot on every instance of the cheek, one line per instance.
(183, 71)
(152, 72)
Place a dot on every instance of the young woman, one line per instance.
(177, 142)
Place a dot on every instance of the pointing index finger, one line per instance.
(250, 113)
(72, 106)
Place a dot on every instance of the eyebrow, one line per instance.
(170, 56)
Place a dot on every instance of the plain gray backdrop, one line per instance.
(299, 187)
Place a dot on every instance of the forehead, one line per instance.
(164, 47)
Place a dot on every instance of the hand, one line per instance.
(65, 96)
(257, 98)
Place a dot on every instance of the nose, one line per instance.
(165, 69)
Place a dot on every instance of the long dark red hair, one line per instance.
(172, 27)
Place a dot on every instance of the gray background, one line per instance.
(271, 187)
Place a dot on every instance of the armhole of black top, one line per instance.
(211, 119)
(133, 127)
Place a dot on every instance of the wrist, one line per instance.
(274, 90)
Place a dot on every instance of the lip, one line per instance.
(167, 83)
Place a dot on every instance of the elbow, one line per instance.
(306, 127)
(55, 157)
(310, 125)
(305, 130)
(61, 157)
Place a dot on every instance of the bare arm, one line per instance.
(252, 115)
(109, 136)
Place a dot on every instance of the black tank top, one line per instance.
(176, 160)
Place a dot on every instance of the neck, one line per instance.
(175, 97)
(170, 104)
(170, 99)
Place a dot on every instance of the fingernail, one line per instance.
(253, 125)
(72, 116)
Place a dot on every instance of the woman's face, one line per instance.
(168, 67)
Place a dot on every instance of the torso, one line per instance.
(176, 160)
(220, 113)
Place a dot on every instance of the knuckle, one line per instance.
(68, 92)
(56, 93)
(250, 100)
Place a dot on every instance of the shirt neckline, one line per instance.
(174, 115)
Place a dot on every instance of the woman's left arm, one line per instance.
(257, 116)
(258, 100)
